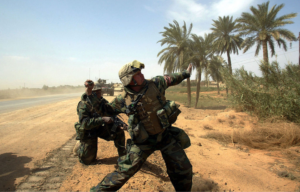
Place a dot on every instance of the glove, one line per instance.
(107, 120)
(124, 127)
(189, 69)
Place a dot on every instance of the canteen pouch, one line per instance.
(180, 136)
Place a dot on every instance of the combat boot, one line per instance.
(76, 148)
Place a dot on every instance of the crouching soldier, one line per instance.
(150, 127)
(96, 119)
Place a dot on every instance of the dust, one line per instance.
(216, 166)
(26, 92)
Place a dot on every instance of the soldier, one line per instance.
(95, 120)
(149, 129)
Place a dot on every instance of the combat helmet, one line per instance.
(97, 88)
(129, 70)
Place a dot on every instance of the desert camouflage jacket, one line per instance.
(88, 106)
(161, 82)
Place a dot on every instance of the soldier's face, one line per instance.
(139, 78)
(99, 94)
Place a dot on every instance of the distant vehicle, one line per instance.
(119, 87)
(107, 88)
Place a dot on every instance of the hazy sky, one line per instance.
(54, 42)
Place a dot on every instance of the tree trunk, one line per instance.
(265, 51)
(198, 87)
(218, 87)
(230, 69)
(207, 80)
(206, 74)
(188, 82)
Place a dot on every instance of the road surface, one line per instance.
(12, 105)
(32, 128)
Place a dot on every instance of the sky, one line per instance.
(53, 42)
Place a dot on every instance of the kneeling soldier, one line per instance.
(96, 119)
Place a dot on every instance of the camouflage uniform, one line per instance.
(90, 110)
(178, 165)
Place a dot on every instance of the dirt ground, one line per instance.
(29, 136)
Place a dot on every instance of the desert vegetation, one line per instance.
(274, 95)
(272, 98)
(260, 26)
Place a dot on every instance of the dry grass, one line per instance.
(263, 136)
(221, 120)
(201, 184)
(242, 122)
(208, 127)
(270, 135)
(225, 138)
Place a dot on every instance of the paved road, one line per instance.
(11, 105)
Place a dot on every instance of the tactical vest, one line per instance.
(94, 108)
(147, 108)
(105, 129)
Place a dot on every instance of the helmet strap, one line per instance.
(134, 81)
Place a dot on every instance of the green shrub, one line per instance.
(275, 94)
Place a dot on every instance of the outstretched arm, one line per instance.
(163, 82)
(118, 104)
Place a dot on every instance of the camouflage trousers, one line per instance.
(88, 148)
(178, 165)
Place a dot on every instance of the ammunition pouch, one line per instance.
(137, 131)
(79, 131)
(168, 114)
(163, 118)
(172, 110)
(180, 136)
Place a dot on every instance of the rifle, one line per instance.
(117, 122)
(131, 108)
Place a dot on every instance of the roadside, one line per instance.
(216, 166)
(28, 136)
(38, 141)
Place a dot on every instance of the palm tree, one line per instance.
(225, 38)
(195, 58)
(177, 40)
(200, 52)
(263, 27)
(216, 64)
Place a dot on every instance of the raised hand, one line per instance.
(89, 84)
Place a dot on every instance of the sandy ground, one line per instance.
(29, 135)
